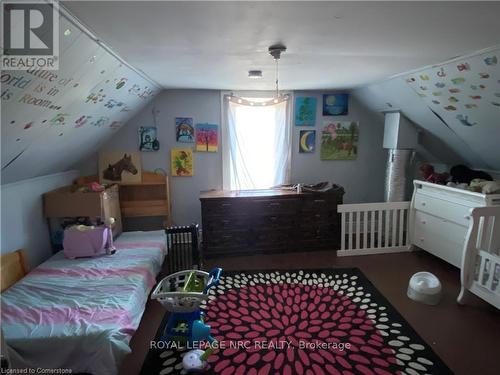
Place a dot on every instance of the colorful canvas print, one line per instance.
(148, 139)
(182, 162)
(184, 130)
(120, 167)
(307, 141)
(335, 104)
(305, 111)
(206, 138)
(339, 140)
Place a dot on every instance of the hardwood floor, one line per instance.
(467, 338)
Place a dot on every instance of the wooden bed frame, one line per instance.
(145, 199)
(13, 267)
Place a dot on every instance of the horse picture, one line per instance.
(119, 167)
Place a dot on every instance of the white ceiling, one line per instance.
(331, 45)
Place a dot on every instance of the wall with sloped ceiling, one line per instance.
(456, 103)
(52, 119)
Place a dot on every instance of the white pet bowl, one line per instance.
(424, 287)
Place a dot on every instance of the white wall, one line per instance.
(22, 223)
(363, 179)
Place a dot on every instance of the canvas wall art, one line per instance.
(120, 167)
(307, 141)
(184, 130)
(335, 104)
(148, 139)
(339, 140)
(305, 111)
(182, 164)
(207, 138)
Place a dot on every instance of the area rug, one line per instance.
(310, 322)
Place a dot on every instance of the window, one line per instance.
(256, 145)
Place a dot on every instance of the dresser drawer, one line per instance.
(224, 207)
(447, 210)
(440, 237)
(273, 206)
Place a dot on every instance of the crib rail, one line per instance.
(374, 228)
(480, 271)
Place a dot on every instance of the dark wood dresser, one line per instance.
(269, 221)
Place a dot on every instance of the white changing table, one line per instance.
(439, 218)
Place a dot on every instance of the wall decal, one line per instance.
(464, 120)
(121, 83)
(112, 103)
(74, 95)
(82, 120)
(120, 167)
(206, 137)
(472, 108)
(339, 140)
(101, 121)
(307, 141)
(335, 104)
(148, 140)
(182, 163)
(59, 119)
(184, 129)
(441, 73)
(492, 60)
(95, 97)
(458, 80)
(305, 111)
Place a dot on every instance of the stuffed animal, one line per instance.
(484, 186)
(463, 174)
(430, 175)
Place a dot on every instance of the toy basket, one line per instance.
(184, 291)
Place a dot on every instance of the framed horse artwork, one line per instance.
(120, 167)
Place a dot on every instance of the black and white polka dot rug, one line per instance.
(308, 322)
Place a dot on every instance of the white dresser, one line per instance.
(439, 218)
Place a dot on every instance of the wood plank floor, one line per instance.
(467, 338)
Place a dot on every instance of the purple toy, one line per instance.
(85, 241)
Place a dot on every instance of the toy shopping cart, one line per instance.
(181, 294)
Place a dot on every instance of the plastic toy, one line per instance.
(88, 240)
(181, 294)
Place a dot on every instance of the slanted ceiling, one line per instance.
(456, 103)
(52, 119)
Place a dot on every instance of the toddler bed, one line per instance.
(80, 314)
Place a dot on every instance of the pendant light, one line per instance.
(275, 51)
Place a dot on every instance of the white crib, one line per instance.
(480, 271)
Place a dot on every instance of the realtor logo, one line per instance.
(30, 35)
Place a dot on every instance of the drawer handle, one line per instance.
(319, 201)
(423, 203)
(275, 204)
(421, 240)
(226, 204)
(423, 221)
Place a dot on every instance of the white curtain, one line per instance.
(256, 145)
